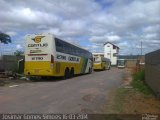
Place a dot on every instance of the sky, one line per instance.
(87, 23)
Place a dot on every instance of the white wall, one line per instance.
(109, 53)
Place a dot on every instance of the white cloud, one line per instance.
(11, 33)
(152, 29)
(96, 48)
(105, 38)
(113, 38)
(123, 22)
(151, 36)
(19, 46)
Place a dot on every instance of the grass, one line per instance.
(120, 95)
(138, 83)
(131, 100)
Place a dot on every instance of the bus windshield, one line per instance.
(121, 63)
(97, 59)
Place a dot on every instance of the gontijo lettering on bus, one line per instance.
(38, 45)
(38, 39)
(68, 58)
(73, 59)
(62, 57)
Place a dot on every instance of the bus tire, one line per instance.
(89, 71)
(109, 67)
(104, 68)
(72, 72)
(66, 74)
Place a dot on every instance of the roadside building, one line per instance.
(111, 52)
(152, 71)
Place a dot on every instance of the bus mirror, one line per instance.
(52, 59)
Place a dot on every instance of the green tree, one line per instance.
(18, 53)
(4, 38)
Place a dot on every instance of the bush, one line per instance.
(139, 75)
(139, 84)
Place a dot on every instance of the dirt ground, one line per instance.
(81, 94)
(127, 100)
(11, 81)
(124, 100)
(136, 102)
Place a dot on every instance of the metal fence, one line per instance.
(131, 63)
(10, 63)
(152, 71)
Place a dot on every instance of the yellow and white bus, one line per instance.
(100, 62)
(47, 55)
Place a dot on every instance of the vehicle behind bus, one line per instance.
(46, 55)
(101, 63)
(121, 63)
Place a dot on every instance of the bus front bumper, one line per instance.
(97, 66)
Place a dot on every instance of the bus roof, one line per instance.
(45, 34)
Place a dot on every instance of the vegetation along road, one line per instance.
(82, 94)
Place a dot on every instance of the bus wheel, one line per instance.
(109, 67)
(104, 68)
(66, 74)
(72, 73)
(90, 71)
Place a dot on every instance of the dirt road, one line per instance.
(82, 94)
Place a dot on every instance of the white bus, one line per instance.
(47, 55)
(121, 63)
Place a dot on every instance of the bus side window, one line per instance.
(58, 46)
